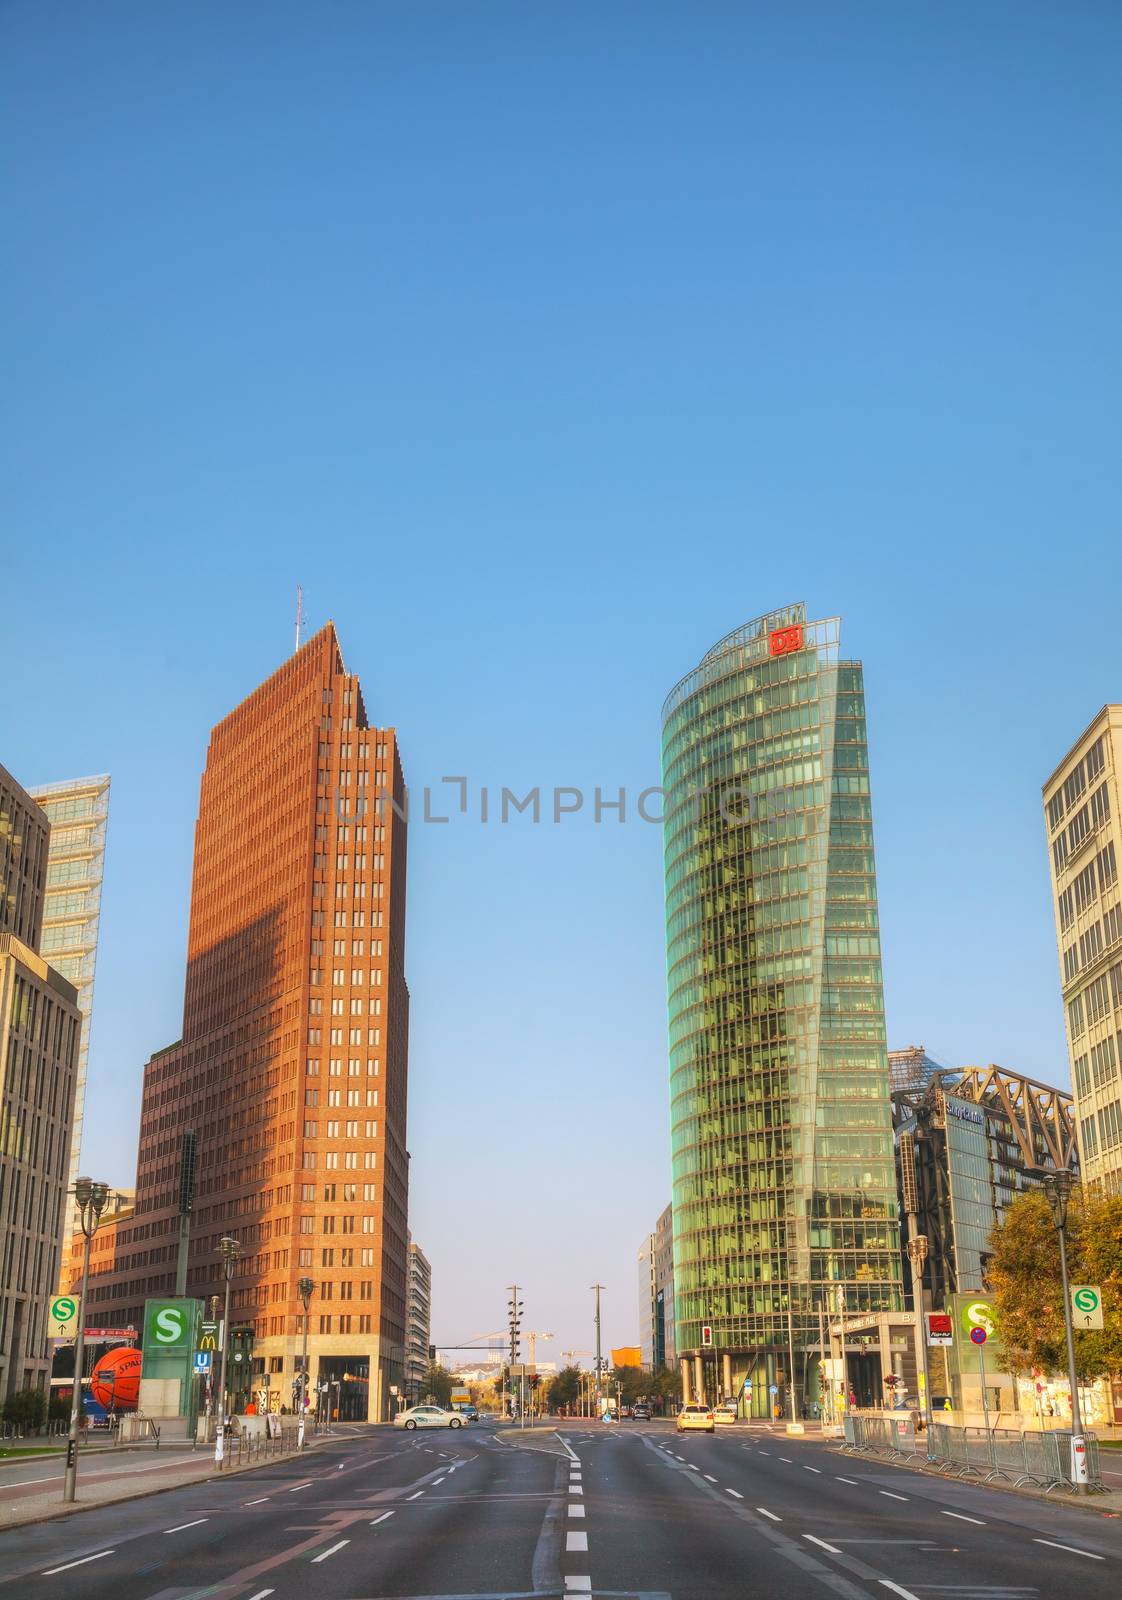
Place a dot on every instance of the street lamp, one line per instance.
(1058, 1187)
(231, 1249)
(917, 1255)
(305, 1288)
(597, 1287)
(92, 1199)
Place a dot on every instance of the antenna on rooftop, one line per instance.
(299, 613)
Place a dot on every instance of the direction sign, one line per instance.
(202, 1362)
(62, 1317)
(977, 1335)
(1087, 1305)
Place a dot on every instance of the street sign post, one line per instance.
(64, 1313)
(202, 1362)
(1087, 1305)
(940, 1329)
(978, 1337)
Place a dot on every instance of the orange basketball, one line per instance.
(115, 1381)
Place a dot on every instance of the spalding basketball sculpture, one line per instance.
(115, 1381)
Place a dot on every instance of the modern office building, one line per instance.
(78, 812)
(418, 1322)
(781, 1128)
(40, 1027)
(967, 1143)
(292, 1067)
(656, 1293)
(1083, 816)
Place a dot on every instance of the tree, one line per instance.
(632, 1381)
(1024, 1277)
(438, 1383)
(27, 1408)
(664, 1385)
(564, 1388)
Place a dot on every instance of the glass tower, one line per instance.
(784, 1186)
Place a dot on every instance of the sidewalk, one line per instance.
(39, 1501)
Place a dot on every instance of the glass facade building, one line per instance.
(78, 810)
(784, 1186)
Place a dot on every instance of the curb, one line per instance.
(1078, 1502)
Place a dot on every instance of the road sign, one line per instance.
(748, 1387)
(940, 1329)
(773, 1388)
(978, 1335)
(1087, 1305)
(62, 1317)
(202, 1359)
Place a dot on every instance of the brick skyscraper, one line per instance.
(292, 1070)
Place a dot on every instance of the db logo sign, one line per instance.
(784, 640)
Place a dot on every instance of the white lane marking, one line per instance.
(832, 1548)
(307, 1485)
(416, 1496)
(1071, 1549)
(435, 1481)
(197, 1523)
(962, 1517)
(707, 1478)
(50, 1572)
(330, 1551)
(735, 1494)
(576, 1541)
(906, 1594)
(770, 1514)
(576, 1509)
(577, 1585)
(261, 1593)
(853, 1481)
(382, 1518)
(260, 1502)
(575, 1488)
(764, 1452)
(787, 1459)
(812, 1469)
(889, 1495)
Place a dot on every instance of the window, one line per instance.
(1056, 810)
(1078, 828)
(1112, 924)
(1096, 999)
(1059, 853)
(1071, 963)
(1104, 1067)
(1074, 786)
(1067, 910)
(1091, 943)
(1108, 869)
(1096, 760)
(1087, 1137)
(1075, 1016)
(1082, 1077)
(1100, 806)
(1083, 888)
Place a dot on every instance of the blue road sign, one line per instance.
(202, 1362)
(773, 1388)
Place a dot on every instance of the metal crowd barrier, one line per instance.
(1040, 1459)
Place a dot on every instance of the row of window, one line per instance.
(335, 1097)
(1086, 820)
(373, 1036)
(358, 1006)
(1074, 784)
(1097, 938)
(1095, 1001)
(1099, 1067)
(349, 1163)
(1101, 1132)
(331, 1129)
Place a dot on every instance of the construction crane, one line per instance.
(533, 1338)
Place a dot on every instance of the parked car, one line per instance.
(427, 1417)
(695, 1419)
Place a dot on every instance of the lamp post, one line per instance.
(92, 1199)
(231, 1250)
(1058, 1187)
(597, 1287)
(305, 1288)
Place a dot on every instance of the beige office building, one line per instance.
(1083, 815)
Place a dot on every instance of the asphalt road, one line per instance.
(635, 1510)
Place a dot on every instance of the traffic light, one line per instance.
(706, 1336)
(432, 1352)
(241, 1348)
(535, 1379)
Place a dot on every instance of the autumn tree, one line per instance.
(1024, 1277)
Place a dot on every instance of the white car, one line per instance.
(428, 1417)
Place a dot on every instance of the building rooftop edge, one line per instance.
(1111, 705)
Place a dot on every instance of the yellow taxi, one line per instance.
(695, 1419)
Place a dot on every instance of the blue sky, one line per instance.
(544, 344)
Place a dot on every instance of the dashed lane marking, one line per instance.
(575, 1488)
(577, 1585)
(832, 1548)
(330, 1551)
(735, 1494)
(905, 1594)
(297, 1486)
(198, 1522)
(1071, 1549)
(576, 1541)
(50, 1572)
(769, 1514)
(812, 1469)
(853, 1481)
(962, 1517)
(416, 1496)
(707, 1478)
(576, 1509)
(382, 1518)
(787, 1459)
(261, 1594)
(890, 1496)
(435, 1481)
(260, 1502)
